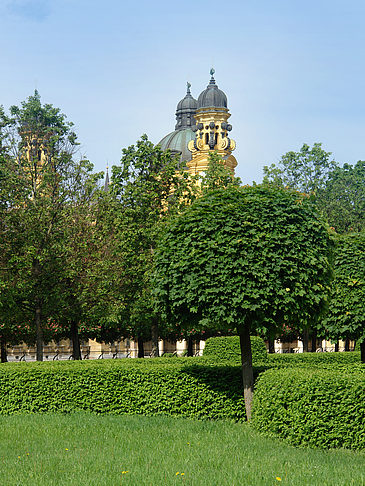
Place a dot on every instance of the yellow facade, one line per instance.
(211, 135)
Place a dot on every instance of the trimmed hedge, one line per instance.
(350, 361)
(311, 407)
(176, 387)
(228, 348)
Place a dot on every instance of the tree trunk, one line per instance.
(39, 332)
(347, 344)
(337, 347)
(314, 341)
(362, 351)
(305, 340)
(4, 356)
(140, 348)
(154, 331)
(247, 371)
(271, 345)
(36, 271)
(74, 335)
(190, 346)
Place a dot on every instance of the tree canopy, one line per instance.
(248, 258)
(41, 188)
(346, 315)
(339, 191)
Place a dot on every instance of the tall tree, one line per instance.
(249, 258)
(346, 315)
(146, 189)
(38, 146)
(343, 198)
(306, 171)
(339, 191)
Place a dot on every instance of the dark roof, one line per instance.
(177, 142)
(185, 111)
(212, 97)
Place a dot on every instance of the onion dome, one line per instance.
(177, 141)
(212, 97)
(185, 111)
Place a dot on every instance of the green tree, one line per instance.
(217, 175)
(343, 198)
(306, 171)
(346, 315)
(79, 254)
(146, 189)
(340, 191)
(38, 171)
(250, 258)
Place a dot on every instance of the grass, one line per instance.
(76, 449)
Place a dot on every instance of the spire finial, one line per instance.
(188, 85)
(212, 80)
(106, 183)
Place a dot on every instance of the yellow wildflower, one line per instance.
(177, 473)
(277, 478)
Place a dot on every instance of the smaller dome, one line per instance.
(188, 102)
(177, 142)
(212, 97)
(185, 111)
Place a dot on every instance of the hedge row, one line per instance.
(346, 360)
(170, 387)
(228, 348)
(311, 407)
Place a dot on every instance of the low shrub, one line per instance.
(318, 408)
(177, 387)
(228, 348)
(350, 361)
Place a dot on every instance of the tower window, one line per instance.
(206, 138)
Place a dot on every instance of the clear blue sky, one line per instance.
(293, 71)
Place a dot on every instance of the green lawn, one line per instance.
(82, 449)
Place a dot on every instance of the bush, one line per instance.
(348, 360)
(177, 387)
(318, 408)
(228, 348)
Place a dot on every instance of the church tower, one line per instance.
(211, 130)
(177, 141)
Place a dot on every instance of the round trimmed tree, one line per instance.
(249, 258)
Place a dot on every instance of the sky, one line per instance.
(293, 71)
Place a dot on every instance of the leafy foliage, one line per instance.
(146, 189)
(346, 315)
(340, 191)
(343, 198)
(307, 170)
(217, 175)
(257, 256)
(312, 407)
(228, 348)
(174, 387)
(42, 190)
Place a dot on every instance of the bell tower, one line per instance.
(212, 130)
